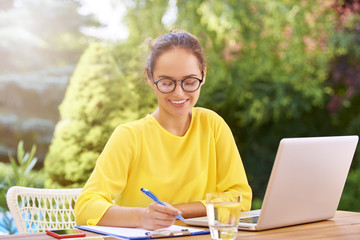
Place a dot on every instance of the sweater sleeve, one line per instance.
(107, 180)
(231, 174)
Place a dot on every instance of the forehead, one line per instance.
(176, 62)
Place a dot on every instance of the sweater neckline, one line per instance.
(193, 114)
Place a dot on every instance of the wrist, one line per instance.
(139, 216)
(193, 209)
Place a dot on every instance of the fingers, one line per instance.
(157, 216)
(169, 209)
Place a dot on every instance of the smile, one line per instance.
(178, 102)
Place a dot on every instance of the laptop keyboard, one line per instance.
(249, 219)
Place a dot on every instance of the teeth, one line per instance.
(178, 102)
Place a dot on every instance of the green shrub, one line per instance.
(351, 195)
(18, 173)
(33, 178)
(97, 99)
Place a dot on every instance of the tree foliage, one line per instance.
(132, 54)
(97, 99)
(267, 60)
(344, 79)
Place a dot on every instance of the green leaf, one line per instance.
(30, 165)
(32, 152)
(20, 152)
(14, 167)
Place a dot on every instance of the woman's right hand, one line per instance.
(157, 216)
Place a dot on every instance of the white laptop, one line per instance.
(305, 184)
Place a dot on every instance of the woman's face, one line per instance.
(177, 64)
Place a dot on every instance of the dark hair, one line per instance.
(173, 39)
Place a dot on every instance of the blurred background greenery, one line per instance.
(70, 71)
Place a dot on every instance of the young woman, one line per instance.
(179, 152)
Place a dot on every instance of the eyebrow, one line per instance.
(186, 76)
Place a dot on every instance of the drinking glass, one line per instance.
(223, 212)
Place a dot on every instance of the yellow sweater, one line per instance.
(142, 154)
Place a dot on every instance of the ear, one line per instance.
(148, 77)
(204, 77)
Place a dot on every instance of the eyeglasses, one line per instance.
(168, 85)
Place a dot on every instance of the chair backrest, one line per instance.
(35, 209)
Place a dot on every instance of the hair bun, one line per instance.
(172, 30)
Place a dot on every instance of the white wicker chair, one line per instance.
(35, 209)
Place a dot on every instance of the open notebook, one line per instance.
(305, 184)
(138, 233)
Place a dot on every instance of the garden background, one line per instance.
(71, 71)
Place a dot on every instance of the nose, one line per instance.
(178, 89)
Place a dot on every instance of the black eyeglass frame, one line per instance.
(175, 81)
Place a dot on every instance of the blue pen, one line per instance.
(155, 198)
